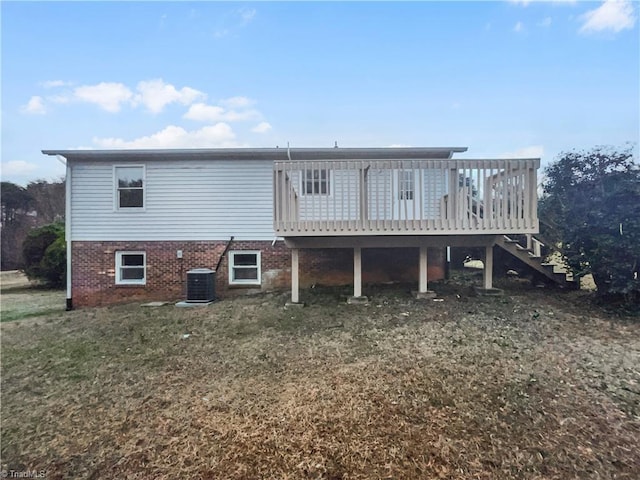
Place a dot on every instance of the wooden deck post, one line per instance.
(488, 267)
(422, 287)
(357, 272)
(423, 290)
(295, 283)
(357, 298)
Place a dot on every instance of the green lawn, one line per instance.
(20, 300)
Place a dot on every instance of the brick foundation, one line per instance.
(93, 268)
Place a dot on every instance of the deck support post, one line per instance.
(357, 272)
(488, 268)
(295, 282)
(423, 290)
(487, 280)
(357, 278)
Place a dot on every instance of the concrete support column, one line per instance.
(488, 267)
(357, 272)
(422, 287)
(295, 282)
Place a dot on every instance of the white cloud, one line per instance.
(532, 151)
(526, 3)
(218, 135)
(156, 94)
(247, 15)
(108, 96)
(262, 127)
(55, 83)
(237, 102)
(518, 27)
(213, 113)
(546, 22)
(17, 167)
(34, 106)
(204, 113)
(60, 98)
(233, 21)
(615, 15)
(236, 116)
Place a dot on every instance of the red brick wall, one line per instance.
(379, 265)
(93, 267)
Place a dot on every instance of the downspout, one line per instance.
(67, 227)
(447, 261)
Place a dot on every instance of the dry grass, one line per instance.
(531, 385)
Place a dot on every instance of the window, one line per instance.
(316, 182)
(244, 268)
(129, 187)
(131, 268)
(406, 184)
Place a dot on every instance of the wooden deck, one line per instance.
(405, 197)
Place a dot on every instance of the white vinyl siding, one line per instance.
(244, 267)
(343, 192)
(429, 187)
(184, 200)
(386, 187)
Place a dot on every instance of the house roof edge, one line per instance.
(259, 153)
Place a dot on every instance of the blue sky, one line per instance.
(510, 78)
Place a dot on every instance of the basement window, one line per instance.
(131, 268)
(244, 267)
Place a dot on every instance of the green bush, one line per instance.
(591, 207)
(45, 255)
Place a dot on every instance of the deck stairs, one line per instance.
(531, 255)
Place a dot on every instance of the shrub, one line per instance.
(45, 254)
(592, 208)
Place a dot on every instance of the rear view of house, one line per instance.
(262, 219)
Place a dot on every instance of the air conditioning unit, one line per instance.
(201, 285)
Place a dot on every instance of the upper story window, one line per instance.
(406, 184)
(129, 186)
(316, 181)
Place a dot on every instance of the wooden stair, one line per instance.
(530, 255)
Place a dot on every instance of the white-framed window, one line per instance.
(406, 184)
(244, 267)
(131, 268)
(316, 181)
(129, 186)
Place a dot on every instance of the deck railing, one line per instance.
(405, 197)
